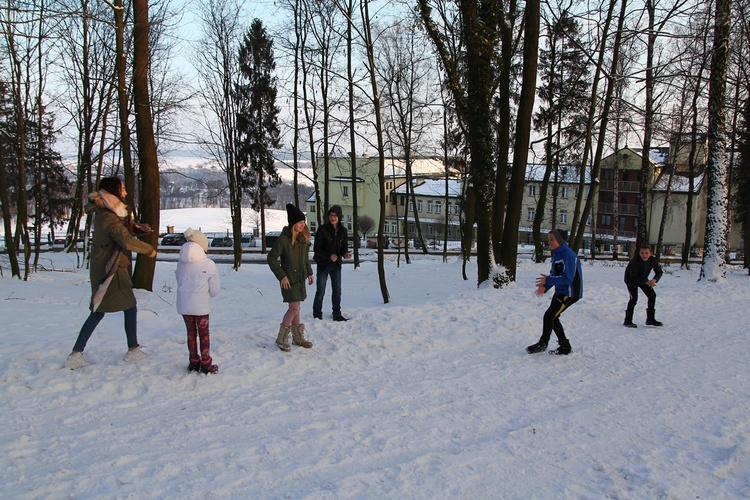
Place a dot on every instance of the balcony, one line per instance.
(609, 208)
(622, 186)
(611, 232)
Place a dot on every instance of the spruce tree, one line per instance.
(257, 120)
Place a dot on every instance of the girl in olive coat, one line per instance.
(112, 242)
(290, 263)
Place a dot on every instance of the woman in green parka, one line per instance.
(290, 262)
(111, 284)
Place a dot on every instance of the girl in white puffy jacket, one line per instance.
(197, 282)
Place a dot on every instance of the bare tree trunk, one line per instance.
(352, 134)
(587, 209)
(691, 176)
(578, 224)
(123, 102)
(714, 263)
(143, 275)
(507, 52)
(19, 119)
(541, 202)
(370, 50)
(523, 134)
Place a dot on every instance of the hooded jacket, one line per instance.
(329, 241)
(291, 261)
(565, 273)
(197, 280)
(110, 232)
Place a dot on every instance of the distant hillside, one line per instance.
(190, 182)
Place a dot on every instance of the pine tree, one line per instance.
(257, 119)
(564, 96)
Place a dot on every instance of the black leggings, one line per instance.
(556, 307)
(633, 291)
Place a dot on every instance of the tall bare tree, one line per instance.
(148, 164)
(218, 66)
(714, 264)
(405, 74)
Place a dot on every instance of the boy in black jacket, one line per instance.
(636, 276)
(330, 248)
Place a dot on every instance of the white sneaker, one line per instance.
(75, 361)
(136, 355)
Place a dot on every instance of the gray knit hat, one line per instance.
(561, 235)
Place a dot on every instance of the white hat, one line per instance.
(197, 237)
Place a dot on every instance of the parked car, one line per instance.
(271, 238)
(223, 241)
(173, 239)
(248, 241)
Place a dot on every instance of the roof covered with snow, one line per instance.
(433, 187)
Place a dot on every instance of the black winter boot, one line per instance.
(563, 348)
(629, 319)
(651, 318)
(540, 346)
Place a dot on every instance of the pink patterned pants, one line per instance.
(197, 327)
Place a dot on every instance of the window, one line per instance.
(429, 229)
(312, 209)
(551, 217)
(438, 207)
(346, 190)
(622, 223)
(563, 216)
(532, 213)
(588, 220)
(420, 206)
(532, 190)
(402, 200)
(394, 227)
(411, 206)
(564, 191)
(450, 208)
(429, 207)
(606, 220)
(349, 222)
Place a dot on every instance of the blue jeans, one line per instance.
(131, 331)
(323, 273)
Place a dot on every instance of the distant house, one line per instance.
(367, 184)
(615, 205)
(438, 210)
(562, 194)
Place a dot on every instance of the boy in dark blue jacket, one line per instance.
(567, 278)
(636, 276)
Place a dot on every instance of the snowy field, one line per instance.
(429, 396)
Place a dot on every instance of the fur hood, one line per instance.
(103, 199)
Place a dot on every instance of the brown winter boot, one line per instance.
(298, 336)
(282, 339)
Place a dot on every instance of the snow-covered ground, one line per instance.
(429, 396)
